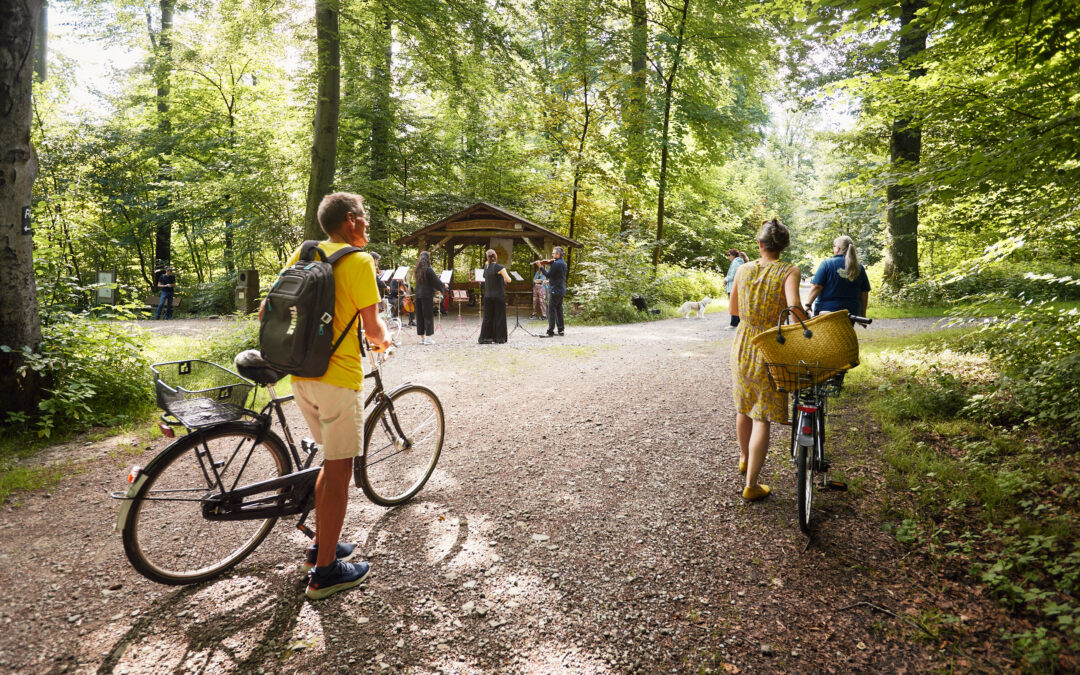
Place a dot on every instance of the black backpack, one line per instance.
(297, 324)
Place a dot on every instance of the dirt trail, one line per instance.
(585, 517)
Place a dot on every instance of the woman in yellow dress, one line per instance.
(763, 288)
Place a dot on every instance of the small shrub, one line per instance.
(96, 374)
(214, 297)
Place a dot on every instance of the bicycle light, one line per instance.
(134, 474)
(166, 430)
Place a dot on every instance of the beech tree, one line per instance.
(19, 324)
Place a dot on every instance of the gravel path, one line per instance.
(585, 517)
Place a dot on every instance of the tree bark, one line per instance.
(324, 138)
(635, 117)
(381, 124)
(905, 146)
(162, 73)
(20, 325)
(669, 84)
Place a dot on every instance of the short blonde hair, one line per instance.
(491, 255)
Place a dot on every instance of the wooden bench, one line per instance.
(153, 300)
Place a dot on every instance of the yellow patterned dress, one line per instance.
(760, 290)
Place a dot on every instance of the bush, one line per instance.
(95, 374)
(994, 281)
(215, 297)
(617, 269)
(224, 348)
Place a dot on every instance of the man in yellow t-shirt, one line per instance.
(333, 404)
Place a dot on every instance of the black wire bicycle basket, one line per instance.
(200, 393)
(792, 377)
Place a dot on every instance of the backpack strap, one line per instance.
(334, 257)
(308, 250)
(339, 254)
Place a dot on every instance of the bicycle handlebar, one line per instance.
(861, 320)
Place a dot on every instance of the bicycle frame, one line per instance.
(290, 494)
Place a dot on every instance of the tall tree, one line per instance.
(327, 106)
(636, 119)
(902, 255)
(163, 67)
(382, 120)
(667, 75)
(19, 323)
(41, 50)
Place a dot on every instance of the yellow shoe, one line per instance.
(742, 466)
(759, 491)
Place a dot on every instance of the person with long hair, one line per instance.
(762, 290)
(840, 282)
(425, 281)
(736, 258)
(493, 327)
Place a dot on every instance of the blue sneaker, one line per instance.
(344, 553)
(325, 581)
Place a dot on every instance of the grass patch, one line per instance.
(996, 502)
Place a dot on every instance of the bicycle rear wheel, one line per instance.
(165, 535)
(403, 437)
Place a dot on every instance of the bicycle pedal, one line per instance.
(836, 486)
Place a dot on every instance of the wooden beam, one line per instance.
(468, 225)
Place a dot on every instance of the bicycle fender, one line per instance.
(125, 504)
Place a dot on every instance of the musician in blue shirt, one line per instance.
(556, 276)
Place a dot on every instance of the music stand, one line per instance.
(459, 295)
(478, 275)
(517, 318)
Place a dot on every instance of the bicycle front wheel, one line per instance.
(403, 437)
(165, 535)
(805, 482)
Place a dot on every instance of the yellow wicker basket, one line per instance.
(827, 340)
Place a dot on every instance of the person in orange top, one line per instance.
(333, 404)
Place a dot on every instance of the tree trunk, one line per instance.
(19, 322)
(381, 124)
(324, 139)
(41, 52)
(635, 118)
(902, 215)
(669, 85)
(162, 73)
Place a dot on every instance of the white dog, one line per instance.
(698, 307)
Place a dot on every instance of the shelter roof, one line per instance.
(477, 224)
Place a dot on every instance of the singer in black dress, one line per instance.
(493, 328)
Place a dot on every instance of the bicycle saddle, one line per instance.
(253, 366)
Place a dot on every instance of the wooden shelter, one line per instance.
(479, 225)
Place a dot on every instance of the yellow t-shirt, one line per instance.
(354, 289)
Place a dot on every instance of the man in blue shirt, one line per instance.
(840, 282)
(556, 276)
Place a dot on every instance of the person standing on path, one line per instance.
(426, 281)
(762, 290)
(333, 404)
(539, 296)
(736, 258)
(493, 327)
(840, 282)
(167, 284)
(556, 276)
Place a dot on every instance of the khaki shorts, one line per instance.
(335, 416)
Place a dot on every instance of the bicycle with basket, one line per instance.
(206, 501)
(808, 359)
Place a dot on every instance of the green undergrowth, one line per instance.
(979, 483)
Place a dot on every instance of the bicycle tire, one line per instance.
(804, 482)
(166, 538)
(394, 466)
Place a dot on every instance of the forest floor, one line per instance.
(585, 516)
